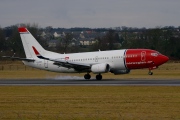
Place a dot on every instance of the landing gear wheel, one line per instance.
(87, 76)
(99, 77)
(150, 73)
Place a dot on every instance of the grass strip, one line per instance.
(89, 102)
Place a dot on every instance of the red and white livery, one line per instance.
(115, 61)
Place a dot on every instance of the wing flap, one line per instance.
(76, 66)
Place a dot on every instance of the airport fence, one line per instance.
(16, 68)
(9, 65)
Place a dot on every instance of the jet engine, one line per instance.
(100, 68)
(118, 72)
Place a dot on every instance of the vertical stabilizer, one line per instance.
(29, 42)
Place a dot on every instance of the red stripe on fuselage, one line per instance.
(136, 58)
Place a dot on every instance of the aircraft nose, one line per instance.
(163, 59)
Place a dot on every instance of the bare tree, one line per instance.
(3, 45)
(65, 42)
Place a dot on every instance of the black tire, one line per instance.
(98, 77)
(87, 76)
(150, 73)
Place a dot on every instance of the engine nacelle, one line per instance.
(118, 72)
(100, 68)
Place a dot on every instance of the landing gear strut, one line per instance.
(87, 76)
(98, 77)
(150, 72)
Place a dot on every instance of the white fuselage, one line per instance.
(114, 58)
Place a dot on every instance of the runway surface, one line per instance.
(81, 82)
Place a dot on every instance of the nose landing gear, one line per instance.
(150, 72)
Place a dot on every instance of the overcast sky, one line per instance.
(91, 13)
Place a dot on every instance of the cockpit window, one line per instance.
(158, 53)
(155, 54)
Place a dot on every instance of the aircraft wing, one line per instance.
(76, 66)
(67, 64)
(18, 58)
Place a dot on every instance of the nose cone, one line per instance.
(162, 59)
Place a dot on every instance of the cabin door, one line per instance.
(96, 59)
(46, 63)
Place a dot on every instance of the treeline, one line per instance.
(10, 41)
(163, 39)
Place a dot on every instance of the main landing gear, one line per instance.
(99, 77)
(88, 76)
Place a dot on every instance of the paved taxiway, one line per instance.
(107, 82)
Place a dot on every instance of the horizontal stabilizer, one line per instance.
(18, 58)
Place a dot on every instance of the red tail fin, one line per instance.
(23, 30)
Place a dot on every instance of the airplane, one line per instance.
(99, 62)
